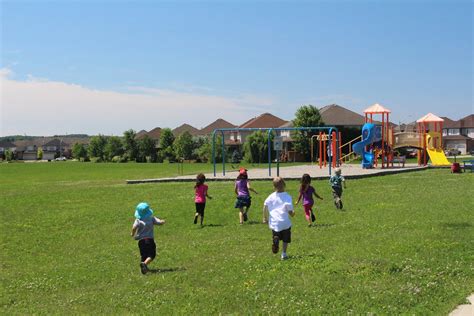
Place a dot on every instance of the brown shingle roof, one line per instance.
(266, 120)
(449, 123)
(155, 133)
(6, 144)
(219, 123)
(468, 121)
(465, 122)
(56, 142)
(335, 115)
(185, 128)
(140, 134)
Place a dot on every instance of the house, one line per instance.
(140, 134)
(185, 128)
(219, 123)
(459, 134)
(4, 146)
(28, 149)
(54, 148)
(336, 115)
(265, 120)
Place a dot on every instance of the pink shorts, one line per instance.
(307, 210)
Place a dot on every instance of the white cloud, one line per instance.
(43, 107)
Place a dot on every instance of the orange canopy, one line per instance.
(430, 118)
(376, 109)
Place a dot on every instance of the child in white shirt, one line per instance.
(277, 209)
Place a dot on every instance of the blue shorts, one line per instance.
(243, 201)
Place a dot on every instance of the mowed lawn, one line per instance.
(403, 245)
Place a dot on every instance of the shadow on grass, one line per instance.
(303, 256)
(212, 225)
(323, 225)
(458, 225)
(252, 222)
(164, 270)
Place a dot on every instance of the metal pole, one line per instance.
(214, 150)
(329, 143)
(223, 153)
(269, 145)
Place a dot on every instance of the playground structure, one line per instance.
(379, 140)
(326, 147)
(429, 129)
(327, 135)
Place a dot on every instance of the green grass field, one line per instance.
(403, 245)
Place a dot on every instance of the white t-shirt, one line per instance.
(279, 204)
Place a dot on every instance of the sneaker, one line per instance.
(245, 217)
(284, 256)
(340, 204)
(275, 244)
(313, 218)
(143, 268)
(195, 219)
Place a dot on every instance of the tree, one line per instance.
(146, 148)
(130, 144)
(8, 155)
(305, 116)
(166, 143)
(39, 154)
(114, 147)
(79, 152)
(256, 147)
(183, 145)
(96, 147)
(204, 151)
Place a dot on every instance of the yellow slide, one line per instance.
(436, 155)
(438, 158)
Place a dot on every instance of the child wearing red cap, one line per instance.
(242, 190)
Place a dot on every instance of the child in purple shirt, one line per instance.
(242, 190)
(307, 192)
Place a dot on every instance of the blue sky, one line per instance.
(107, 66)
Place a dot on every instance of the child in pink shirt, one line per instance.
(200, 190)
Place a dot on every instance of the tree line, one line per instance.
(187, 147)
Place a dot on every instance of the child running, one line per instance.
(242, 190)
(277, 209)
(336, 182)
(200, 197)
(306, 192)
(142, 230)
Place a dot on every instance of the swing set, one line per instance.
(327, 135)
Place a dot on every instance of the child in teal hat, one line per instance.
(142, 230)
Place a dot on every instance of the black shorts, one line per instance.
(243, 201)
(337, 192)
(200, 208)
(147, 248)
(284, 235)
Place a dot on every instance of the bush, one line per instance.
(97, 159)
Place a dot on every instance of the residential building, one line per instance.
(54, 148)
(4, 146)
(459, 134)
(185, 128)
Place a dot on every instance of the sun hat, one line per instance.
(243, 171)
(143, 211)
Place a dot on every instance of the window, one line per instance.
(453, 131)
